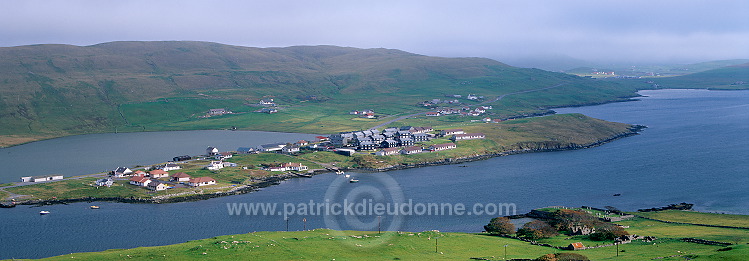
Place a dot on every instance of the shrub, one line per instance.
(500, 226)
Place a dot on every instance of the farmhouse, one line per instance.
(271, 147)
(444, 146)
(267, 102)
(105, 182)
(201, 181)
(210, 151)
(223, 155)
(467, 136)
(294, 166)
(290, 149)
(215, 165)
(215, 112)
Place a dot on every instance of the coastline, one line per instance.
(275, 180)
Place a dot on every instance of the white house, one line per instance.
(121, 172)
(387, 152)
(157, 186)
(411, 150)
(444, 146)
(290, 149)
(140, 181)
(158, 173)
(210, 151)
(467, 136)
(215, 165)
(294, 166)
(451, 132)
(170, 167)
(104, 182)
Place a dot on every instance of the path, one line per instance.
(481, 103)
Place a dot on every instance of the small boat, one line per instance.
(353, 180)
(94, 207)
(44, 212)
(347, 175)
(617, 194)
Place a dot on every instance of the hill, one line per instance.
(58, 90)
(735, 77)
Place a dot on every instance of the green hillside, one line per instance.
(726, 78)
(57, 90)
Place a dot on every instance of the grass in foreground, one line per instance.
(323, 244)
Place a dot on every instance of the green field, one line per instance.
(698, 218)
(323, 244)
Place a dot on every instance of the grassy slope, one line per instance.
(719, 79)
(57, 90)
(322, 244)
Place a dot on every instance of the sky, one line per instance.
(643, 31)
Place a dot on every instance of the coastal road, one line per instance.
(481, 103)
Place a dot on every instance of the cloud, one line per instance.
(595, 30)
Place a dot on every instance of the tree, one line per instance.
(537, 229)
(500, 226)
(607, 231)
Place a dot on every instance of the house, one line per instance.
(403, 134)
(444, 146)
(214, 112)
(170, 167)
(223, 155)
(268, 110)
(157, 186)
(201, 181)
(294, 166)
(388, 152)
(290, 149)
(104, 182)
(229, 164)
(159, 173)
(411, 150)
(433, 114)
(321, 138)
(369, 115)
(467, 136)
(180, 177)
(267, 102)
(576, 246)
(391, 130)
(246, 150)
(416, 130)
(487, 119)
(345, 152)
(140, 173)
(472, 97)
(41, 178)
(451, 132)
(215, 165)
(121, 172)
(302, 143)
(210, 151)
(181, 158)
(278, 168)
(271, 147)
(140, 181)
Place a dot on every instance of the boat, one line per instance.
(348, 176)
(353, 180)
(94, 207)
(617, 194)
(44, 212)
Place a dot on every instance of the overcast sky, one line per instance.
(631, 30)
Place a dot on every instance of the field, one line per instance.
(323, 244)
(698, 218)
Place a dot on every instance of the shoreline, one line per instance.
(275, 180)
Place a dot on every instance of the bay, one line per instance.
(694, 150)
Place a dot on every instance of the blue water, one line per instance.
(694, 150)
(87, 154)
